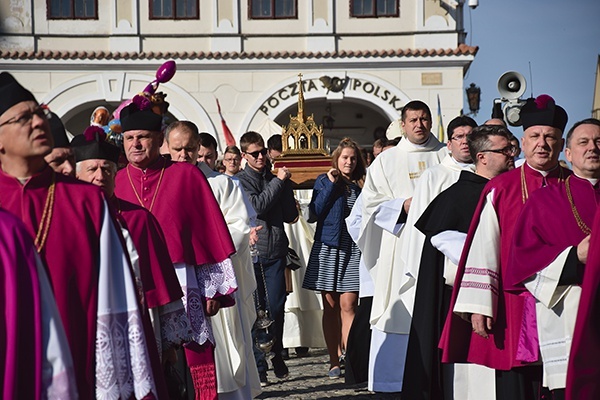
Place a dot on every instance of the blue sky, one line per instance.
(560, 38)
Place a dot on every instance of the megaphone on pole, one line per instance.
(512, 86)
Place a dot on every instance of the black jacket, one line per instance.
(274, 203)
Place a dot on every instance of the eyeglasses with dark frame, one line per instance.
(41, 111)
(255, 154)
(234, 159)
(508, 151)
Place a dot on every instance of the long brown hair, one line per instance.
(358, 175)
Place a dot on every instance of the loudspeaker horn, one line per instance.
(511, 85)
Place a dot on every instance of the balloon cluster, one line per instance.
(156, 100)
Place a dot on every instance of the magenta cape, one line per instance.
(159, 280)
(71, 255)
(185, 207)
(547, 226)
(583, 376)
(458, 342)
(21, 317)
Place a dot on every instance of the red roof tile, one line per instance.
(461, 50)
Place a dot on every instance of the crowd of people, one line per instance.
(156, 268)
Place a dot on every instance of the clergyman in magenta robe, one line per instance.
(35, 361)
(485, 319)
(550, 248)
(82, 251)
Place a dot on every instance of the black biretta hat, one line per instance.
(11, 92)
(58, 131)
(92, 144)
(543, 111)
(139, 116)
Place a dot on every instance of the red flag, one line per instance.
(229, 139)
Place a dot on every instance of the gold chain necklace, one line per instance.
(582, 225)
(162, 171)
(524, 191)
(44, 227)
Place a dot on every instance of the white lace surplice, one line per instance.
(199, 283)
(123, 365)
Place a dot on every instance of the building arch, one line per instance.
(358, 87)
(70, 98)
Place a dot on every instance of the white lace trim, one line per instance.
(175, 327)
(218, 278)
(122, 364)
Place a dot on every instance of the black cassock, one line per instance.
(451, 210)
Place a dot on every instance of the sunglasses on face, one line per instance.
(255, 154)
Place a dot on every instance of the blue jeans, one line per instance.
(274, 277)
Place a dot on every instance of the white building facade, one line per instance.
(361, 60)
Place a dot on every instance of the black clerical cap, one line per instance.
(92, 144)
(139, 116)
(58, 131)
(11, 92)
(543, 111)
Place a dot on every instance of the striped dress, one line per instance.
(335, 269)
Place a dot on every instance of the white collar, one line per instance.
(544, 173)
(593, 181)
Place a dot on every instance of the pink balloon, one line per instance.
(117, 112)
(166, 71)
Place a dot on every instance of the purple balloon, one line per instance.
(150, 88)
(166, 72)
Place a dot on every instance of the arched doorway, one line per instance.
(353, 118)
(360, 105)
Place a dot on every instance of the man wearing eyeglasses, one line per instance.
(273, 200)
(493, 320)
(444, 224)
(78, 243)
(549, 255)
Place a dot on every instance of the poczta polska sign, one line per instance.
(364, 87)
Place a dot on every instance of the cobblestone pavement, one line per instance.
(308, 380)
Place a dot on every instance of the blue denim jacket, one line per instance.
(328, 208)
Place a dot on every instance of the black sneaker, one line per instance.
(281, 370)
(301, 351)
(262, 376)
(285, 354)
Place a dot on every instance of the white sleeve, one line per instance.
(478, 292)
(387, 214)
(450, 243)
(544, 284)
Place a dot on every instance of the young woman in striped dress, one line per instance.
(333, 263)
